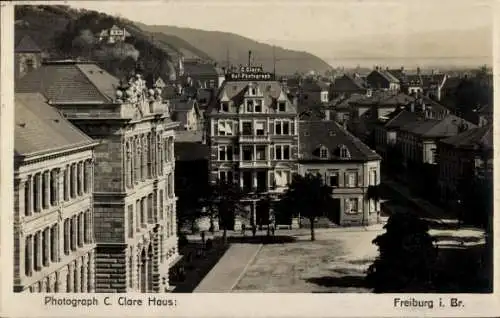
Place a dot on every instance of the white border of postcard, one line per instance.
(208, 305)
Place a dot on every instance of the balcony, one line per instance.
(254, 139)
(253, 164)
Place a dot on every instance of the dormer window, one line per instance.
(224, 106)
(250, 106)
(344, 152)
(258, 106)
(282, 106)
(253, 91)
(323, 152)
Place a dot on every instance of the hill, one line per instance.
(65, 32)
(217, 45)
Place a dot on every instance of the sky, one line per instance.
(303, 25)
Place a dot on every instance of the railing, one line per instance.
(254, 138)
(255, 164)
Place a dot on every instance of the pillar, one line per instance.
(77, 278)
(46, 189)
(80, 177)
(70, 279)
(49, 247)
(84, 270)
(39, 192)
(66, 181)
(91, 272)
(30, 241)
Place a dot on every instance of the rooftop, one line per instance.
(473, 138)
(449, 126)
(41, 129)
(26, 45)
(70, 81)
(315, 134)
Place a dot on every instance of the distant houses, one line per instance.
(113, 35)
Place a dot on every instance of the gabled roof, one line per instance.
(452, 82)
(236, 90)
(401, 117)
(473, 138)
(345, 102)
(315, 134)
(27, 45)
(382, 98)
(356, 80)
(41, 129)
(195, 68)
(385, 74)
(449, 126)
(70, 81)
(314, 86)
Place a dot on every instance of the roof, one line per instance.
(387, 75)
(397, 73)
(449, 126)
(314, 86)
(195, 68)
(327, 133)
(235, 90)
(452, 82)
(344, 102)
(383, 98)
(40, 128)
(27, 45)
(70, 81)
(472, 138)
(401, 117)
(188, 136)
(356, 80)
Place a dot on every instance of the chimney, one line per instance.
(418, 70)
(249, 58)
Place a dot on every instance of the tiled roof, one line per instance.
(383, 98)
(194, 68)
(356, 80)
(314, 86)
(27, 45)
(327, 133)
(397, 73)
(473, 138)
(431, 128)
(40, 128)
(387, 75)
(344, 103)
(401, 117)
(63, 82)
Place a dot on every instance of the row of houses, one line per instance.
(256, 136)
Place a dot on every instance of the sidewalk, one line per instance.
(229, 270)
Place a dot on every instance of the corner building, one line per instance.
(53, 213)
(253, 138)
(134, 198)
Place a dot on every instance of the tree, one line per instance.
(222, 201)
(306, 196)
(407, 256)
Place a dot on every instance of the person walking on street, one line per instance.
(243, 229)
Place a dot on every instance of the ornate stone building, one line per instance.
(252, 129)
(53, 213)
(134, 198)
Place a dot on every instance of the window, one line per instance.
(282, 127)
(30, 65)
(323, 153)
(258, 106)
(28, 255)
(259, 128)
(225, 128)
(313, 172)
(224, 106)
(352, 177)
(333, 178)
(373, 206)
(261, 152)
(226, 176)
(344, 152)
(282, 152)
(247, 153)
(282, 106)
(130, 209)
(225, 153)
(282, 178)
(373, 177)
(250, 106)
(247, 129)
(351, 206)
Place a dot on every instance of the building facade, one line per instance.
(253, 137)
(54, 245)
(345, 164)
(134, 199)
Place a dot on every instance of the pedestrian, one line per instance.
(254, 229)
(243, 229)
(272, 229)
